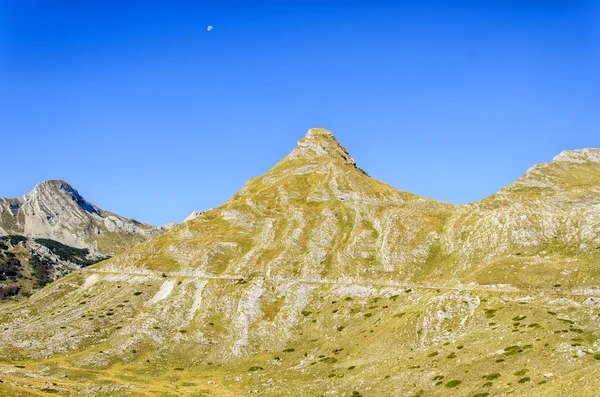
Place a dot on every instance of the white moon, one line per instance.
(209, 28)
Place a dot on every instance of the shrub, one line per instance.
(512, 350)
(489, 313)
(492, 376)
(453, 383)
(328, 360)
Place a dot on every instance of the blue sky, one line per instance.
(151, 116)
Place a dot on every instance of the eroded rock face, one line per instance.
(55, 210)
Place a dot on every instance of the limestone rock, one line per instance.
(194, 214)
(55, 210)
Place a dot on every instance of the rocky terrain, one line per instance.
(55, 210)
(27, 264)
(194, 214)
(54, 216)
(317, 280)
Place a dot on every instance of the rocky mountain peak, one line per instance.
(55, 210)
(579, 156)
(55, 189)
(194, 214)
(51, 184)
(321, 143)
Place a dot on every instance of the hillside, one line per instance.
(28, 264)
(318, 280)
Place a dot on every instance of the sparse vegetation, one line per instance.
(453, 383)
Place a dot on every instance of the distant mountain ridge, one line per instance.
(53, 231)
(55, 210)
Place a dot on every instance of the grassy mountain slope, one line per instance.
(316, 279)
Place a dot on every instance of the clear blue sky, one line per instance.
(150, 115)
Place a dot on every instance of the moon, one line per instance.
(209, 28)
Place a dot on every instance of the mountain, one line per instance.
(52, 231)
(55, 210)
(316, 279)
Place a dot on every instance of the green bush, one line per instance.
(453, 383)
(328, 360)
(492, 376)
(512, 350)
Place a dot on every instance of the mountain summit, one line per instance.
(55, 210)
(320, 142)
(316, 279)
